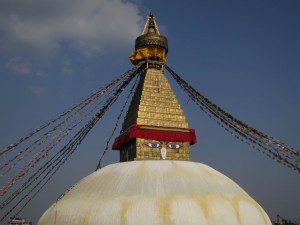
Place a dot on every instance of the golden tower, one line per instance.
(155, 126)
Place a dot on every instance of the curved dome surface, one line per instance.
(156, 192)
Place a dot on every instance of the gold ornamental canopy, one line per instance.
(151, 44)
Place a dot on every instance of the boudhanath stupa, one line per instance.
(155, 182)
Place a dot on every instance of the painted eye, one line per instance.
(153, 145)
(172, 146)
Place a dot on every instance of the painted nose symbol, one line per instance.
(163, 152)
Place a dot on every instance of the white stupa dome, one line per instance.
(156, 192)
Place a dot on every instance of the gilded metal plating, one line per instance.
(154, 103)
(152, 38)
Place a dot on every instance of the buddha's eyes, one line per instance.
(172, 146)
(156, 145)
(153, 145)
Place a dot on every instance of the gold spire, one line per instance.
(155, 126)
(150, 44)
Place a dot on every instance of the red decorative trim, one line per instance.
(155, 133)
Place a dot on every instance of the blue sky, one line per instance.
(242, 55)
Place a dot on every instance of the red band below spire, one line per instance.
(155, 133)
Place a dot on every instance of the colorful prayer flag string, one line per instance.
(42, 176)
(268, 145)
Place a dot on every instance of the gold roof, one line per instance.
(154, 103)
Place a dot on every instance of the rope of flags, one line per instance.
(39, 178)
(116, 124)
(43, 152)
(262, 142)
(78, 106)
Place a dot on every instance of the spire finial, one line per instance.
(150, 44)
(151, 24)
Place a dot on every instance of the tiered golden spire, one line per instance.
(155, 126)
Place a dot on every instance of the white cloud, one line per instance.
(90, 26)
(40, 74)
(67, 68)
(39, 91)
(21, 66)
(18, 66)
